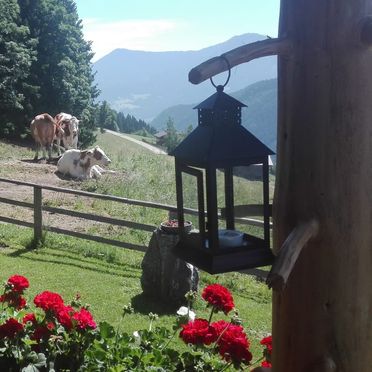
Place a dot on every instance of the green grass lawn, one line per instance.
(109, 278)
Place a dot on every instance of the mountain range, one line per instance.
(143, 83)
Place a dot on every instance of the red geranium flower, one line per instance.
(63, 314)
(29, 318)
(40, 332)
(48, 300)
(234, 345)
(266, 364)
(10, 328)
(14, 299)
(43, 331)
(19, 283)
(220, 326)
(198, 332)
(84, 319)
(219, 297)
(268, 342)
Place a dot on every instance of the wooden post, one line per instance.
(322, 321)
(38, 215)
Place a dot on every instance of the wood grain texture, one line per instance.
(238, 56)
(322, 320)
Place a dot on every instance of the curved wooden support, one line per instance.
(289, 253)
(238, 56)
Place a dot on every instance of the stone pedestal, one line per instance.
(164, 276)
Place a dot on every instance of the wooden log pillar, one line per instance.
(322, 320)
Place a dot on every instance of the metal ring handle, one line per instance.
(229, 72)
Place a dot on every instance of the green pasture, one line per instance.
(107, 277)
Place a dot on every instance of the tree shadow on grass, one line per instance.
(79, 257)
(84, 257)
(123, 272)
(144, 304)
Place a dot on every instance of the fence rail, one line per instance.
(38, 208)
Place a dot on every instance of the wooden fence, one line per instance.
(38, 207)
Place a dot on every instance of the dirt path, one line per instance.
(154, 149)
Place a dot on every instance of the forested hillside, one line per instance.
(45, 65)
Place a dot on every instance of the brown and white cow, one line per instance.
(70, 125)
(44, 130)
(83, 164)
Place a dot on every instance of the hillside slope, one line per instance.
(145, 83)
(259, 117)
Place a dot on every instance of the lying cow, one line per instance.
(83, 164)
(44, 130)
(70, 126)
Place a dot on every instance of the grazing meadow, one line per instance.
(106, 277)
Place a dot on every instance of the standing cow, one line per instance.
(44, 130)
(70, 125)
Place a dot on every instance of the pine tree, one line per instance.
(63, 70)
(107, 117)
(17, 51)
(171, 140)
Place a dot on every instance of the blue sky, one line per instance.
(164, 25)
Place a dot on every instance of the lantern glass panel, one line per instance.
(190, 188)
(248, 196)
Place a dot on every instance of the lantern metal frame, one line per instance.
(220, 142)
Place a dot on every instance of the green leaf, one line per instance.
(106, 330)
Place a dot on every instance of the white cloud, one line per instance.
(134, 34)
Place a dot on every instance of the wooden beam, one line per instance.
(237, 56)
(289, 253)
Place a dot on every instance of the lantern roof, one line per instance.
(220, 101)
(221, 145)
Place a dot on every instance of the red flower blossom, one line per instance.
(40, 332)
(10, 328)
(84, 319)
(268, 342)
(266, 364)
(29, 318)
(43, 331)
(50, 326)
(198, 332)
(63, 314)
(14, 299)
(219, 297)
(234, 345)
(220, 326)
(48, 301)
(19, 283)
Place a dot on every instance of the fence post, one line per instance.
(38, 217)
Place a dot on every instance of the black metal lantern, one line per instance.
(220, 142)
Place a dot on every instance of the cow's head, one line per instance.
(74, 126)
(69, 123)
(100, 157)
